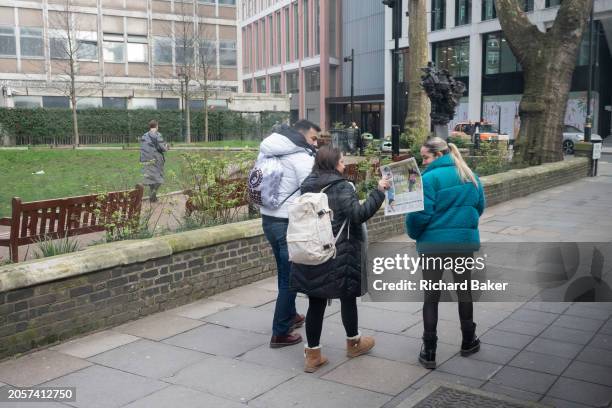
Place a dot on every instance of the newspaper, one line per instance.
(405, 195)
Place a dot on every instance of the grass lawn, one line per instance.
(73, 172)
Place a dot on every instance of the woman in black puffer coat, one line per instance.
(340, 277)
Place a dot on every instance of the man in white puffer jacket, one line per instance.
(295, 147)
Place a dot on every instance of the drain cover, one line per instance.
(441, 395)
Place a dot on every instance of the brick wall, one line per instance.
(45, 301)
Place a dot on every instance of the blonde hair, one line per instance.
(438, 145)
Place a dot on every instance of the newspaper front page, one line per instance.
(405, 195)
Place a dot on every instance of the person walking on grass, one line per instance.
(152, 150)
(341, 276)
(295, 147)
(447, 228)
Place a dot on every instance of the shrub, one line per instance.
(51, 247)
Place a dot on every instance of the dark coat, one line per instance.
(152, 149)
(340, 276)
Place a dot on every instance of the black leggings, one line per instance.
(316, 311)
(432, 297)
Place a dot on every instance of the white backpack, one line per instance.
(310, 238)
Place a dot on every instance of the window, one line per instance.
(86, 48)
(184, 52)
(55, 102)
(196, 104)
(488, 10)
(463, 12)
(552, 3)
(275, 84)
(248, 86)
(137, 50)
(279, 48)
(271, 34)
(262, 54)
(58, 47)
(113, 48)
(227, 2)
(438, 14)
(144, 103)
(89, 103)
(498, 55)
(7, 41)
(167, 103)
(312, 80)
(208, 53)
(207, 1)
(227, 53)
(317, 27)
(114, 103)
(29, 102)
(305, 30)
(296, 32)
(287, 37)
(261, 85)
(528, 5)
(162, 50)
(31, 42)
(453, 55)
(292, 79)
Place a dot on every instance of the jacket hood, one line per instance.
(285, 141)
(443, 161)
(317, 180)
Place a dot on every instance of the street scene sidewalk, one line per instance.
(215, 352)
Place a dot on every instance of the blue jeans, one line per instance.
(275, 231)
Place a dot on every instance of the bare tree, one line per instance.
(67, 46)
(548, 60)
(206, 71)
(417, 117)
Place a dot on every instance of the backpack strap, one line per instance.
(289, 196)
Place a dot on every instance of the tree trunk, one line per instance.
(417, 118)
(187, 115)
(206, 115)
(548, 61)
(73, 99)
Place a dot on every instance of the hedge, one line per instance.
(54, 126)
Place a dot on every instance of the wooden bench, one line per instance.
(58, 218)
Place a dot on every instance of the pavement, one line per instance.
(215, 353)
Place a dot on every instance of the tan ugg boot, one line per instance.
(358, 345)
(313, 360)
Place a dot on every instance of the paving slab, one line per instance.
(158, 326)
(550, 307)
(494, 354)
(381, 320)
(404, 307)
(555, 348)
(301, 305)
(103, 387)
(306, 391)
(292, 358)
(377, 374)
(595, 355)
(245, 318)
(588, 312)
(602, 341)
(540, 362)
(177, 396)
(517, 326)
(582, 392)
(511, 392)
(534, 316)
(559, 403)
(93, 344)
(247, 296)
(522, 379)
(148, 358)
(229, 378)
(449, 332)
(201, 309)
(406, 349)
(506, 339)
(218, 340)
(567, 335)
(39, 367)
(334, 335)
(436, 376)
(595, 373)
(480, 370)
(578, 323)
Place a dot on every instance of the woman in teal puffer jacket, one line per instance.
(447, 228)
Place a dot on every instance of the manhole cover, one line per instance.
(441, 395)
